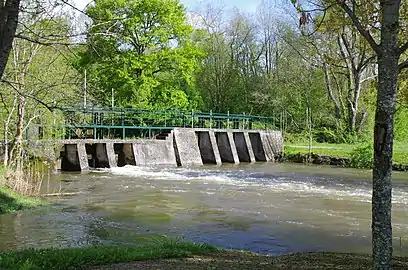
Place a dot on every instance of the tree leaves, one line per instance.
(132, 44)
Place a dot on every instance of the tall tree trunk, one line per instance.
(383, 135)
(9, 10)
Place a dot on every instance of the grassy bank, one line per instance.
(400, 155)
(80, 258)
(11, 201)
(178, 255)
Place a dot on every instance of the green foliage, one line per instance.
(75, 258)
(401, 124)
(362, 156)
(333, 136)
(10, 201)
(326, 136)
(142, 50)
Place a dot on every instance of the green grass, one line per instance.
(79, 258)
(400, 156)
(11, 201)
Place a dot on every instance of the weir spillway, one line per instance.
(176, 147)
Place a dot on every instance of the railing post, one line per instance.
(192, 118)
(122, 114)
(243, 121)
(210, 119)
(228, 120)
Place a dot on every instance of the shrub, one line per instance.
(362, 156)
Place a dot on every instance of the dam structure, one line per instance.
(107, 138)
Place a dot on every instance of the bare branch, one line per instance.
(29, 122)
(27, 95)
(366, 34)
(51, 43)
(75, 8)
(403, 65)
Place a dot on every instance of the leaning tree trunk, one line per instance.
(8, 24)
(388, 57)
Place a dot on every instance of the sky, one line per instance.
(243, 5)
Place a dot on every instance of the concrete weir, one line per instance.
(183, 147)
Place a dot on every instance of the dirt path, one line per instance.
(241, 260)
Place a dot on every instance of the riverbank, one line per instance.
(81, 258)
(11, 201)
(338, 155)
(178, 255)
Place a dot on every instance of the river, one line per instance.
(267, 208)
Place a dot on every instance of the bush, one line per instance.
(326, 136)
(362, 156)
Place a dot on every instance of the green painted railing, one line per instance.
(102, 122)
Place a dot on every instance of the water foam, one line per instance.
(303, 185)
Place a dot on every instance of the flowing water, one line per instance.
(266, 208)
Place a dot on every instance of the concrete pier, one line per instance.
(249, 147)
(75, 158)
(257, 146)
(244, 147)
(208, 147)
(104, 155)
(226, 147)
(186, 147)
(126, 155)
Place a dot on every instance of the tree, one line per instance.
(142, 50)
(366, 17)
(37, 77)
(348, 63)
(9, 11)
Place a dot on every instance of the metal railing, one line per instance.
(101, 122)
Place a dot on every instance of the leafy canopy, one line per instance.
(142, 49)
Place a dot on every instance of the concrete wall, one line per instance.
(186, 147)
(154, 152)
(208, 147)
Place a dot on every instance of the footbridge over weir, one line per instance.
(181, 147)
